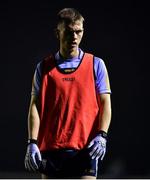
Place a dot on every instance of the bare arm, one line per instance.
(105, 116)
(98, 144)
(33, 118)
(104, 101)
(33, 155)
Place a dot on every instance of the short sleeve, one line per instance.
(102, 80)
(36, 82)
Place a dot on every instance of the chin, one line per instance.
(74, 47)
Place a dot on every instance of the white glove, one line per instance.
(33, 157)
(97, 147)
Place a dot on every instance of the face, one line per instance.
(70, 36)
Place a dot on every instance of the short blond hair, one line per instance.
(69, 15)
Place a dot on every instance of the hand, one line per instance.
(33, 157)
(97, 147)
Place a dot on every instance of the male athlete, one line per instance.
(70, 109)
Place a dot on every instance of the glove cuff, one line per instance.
(103, 134)
(32, 141)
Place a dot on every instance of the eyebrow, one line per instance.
(69, 29)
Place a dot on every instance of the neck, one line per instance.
(69, 54)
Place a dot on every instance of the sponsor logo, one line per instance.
(69, 70)
(68, 79)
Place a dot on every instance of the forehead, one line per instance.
(72, 26)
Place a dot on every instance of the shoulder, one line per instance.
(44, 60)
(39, 64)
(98, 61)
(39, 67)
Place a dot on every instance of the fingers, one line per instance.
(38, 156)
(91, 144)
(102, 157)
(99, 154)
(33, 162)
(97, 151)
(38, 159)
(30, 162)
(93, 150)
(27, 163)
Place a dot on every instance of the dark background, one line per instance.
(116, 32)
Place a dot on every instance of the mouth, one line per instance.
(73, 44)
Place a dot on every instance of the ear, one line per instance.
(56, 31)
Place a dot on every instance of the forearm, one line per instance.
(33, 119)
(105, 116)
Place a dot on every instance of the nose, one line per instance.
(74, 35)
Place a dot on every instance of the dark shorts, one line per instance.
(68, 164)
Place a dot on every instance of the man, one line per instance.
(70, 109)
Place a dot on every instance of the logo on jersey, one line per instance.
(68, 79)
(69, 70)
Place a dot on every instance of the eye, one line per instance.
(68, 31)
(78, 31)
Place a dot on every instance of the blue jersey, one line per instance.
(100, 72)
